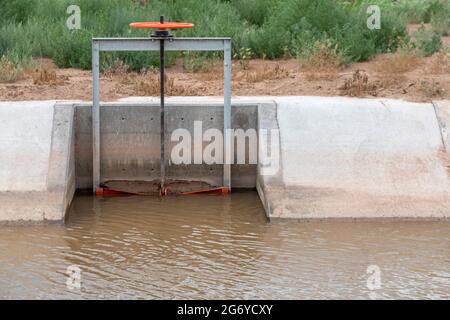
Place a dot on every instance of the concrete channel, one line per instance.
(338, 157)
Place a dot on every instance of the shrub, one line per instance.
(419, 11)
(17, 10)
(254, 11)
(322, 57)
(294, 24)
(359, 43)
(73, 49)
(441, 20)
(300, 23)
(428, 42)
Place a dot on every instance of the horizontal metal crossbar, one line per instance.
(152, 44)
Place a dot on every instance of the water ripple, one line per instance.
(218, 248)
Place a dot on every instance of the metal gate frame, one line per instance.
(153, 44)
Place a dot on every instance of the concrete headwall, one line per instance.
(130, 141)
(339, 157)
(37, 168)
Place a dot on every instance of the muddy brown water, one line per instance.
(213, 246)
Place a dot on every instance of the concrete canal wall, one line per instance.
(37, 168)
(354, 158)
(339, 157)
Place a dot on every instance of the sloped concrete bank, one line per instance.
(338, 157)
(37, 168)
(352, 158)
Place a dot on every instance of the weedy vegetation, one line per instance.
(358, 85)
(9, 71)
(323, 34)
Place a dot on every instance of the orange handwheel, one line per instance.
(161, 26)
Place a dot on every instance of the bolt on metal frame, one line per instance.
(153, 44)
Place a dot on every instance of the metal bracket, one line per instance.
(153, 44)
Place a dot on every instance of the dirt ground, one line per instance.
(263, 77)
(387, 75)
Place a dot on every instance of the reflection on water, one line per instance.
(219, 247)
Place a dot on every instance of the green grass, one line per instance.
(440, 20)
(255, 11)
(270, 28)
